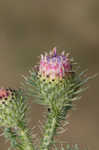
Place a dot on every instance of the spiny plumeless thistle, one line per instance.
(54, 78)
(56, 83)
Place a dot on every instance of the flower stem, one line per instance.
(25, 139)
(49, 132)
(19, 138)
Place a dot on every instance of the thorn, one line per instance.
(68, 55)
(46, 54)
(63, 53)
(42, 56)
(54, 51)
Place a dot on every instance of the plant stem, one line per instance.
(49, 132)
(25, 139)
(19, 139)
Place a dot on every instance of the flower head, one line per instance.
(11, 107)
(54, 66)
(6, 95)
(56, 80)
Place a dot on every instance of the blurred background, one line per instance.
(28, 28)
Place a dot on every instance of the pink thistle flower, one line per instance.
(54, 66)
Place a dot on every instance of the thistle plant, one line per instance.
(54, 83)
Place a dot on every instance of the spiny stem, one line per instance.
(13, 138)
(25, 139)
(49, 132)
(19, 138)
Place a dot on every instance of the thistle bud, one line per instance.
(54, 66)
(55, 80)
(10, 106)
(6, 96)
